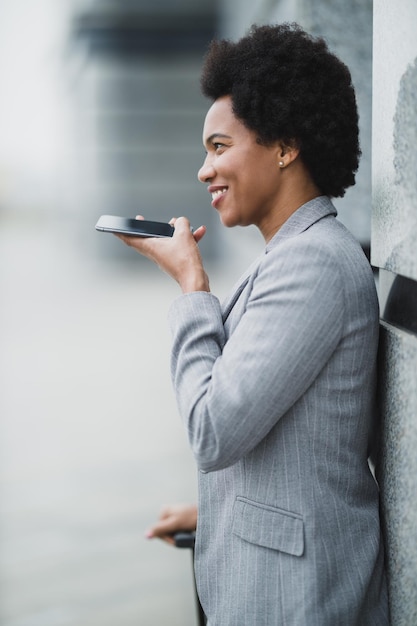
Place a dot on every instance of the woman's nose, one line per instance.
(206, 171)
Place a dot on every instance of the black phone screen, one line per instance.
(133, 227)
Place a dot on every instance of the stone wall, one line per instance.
(394, 251)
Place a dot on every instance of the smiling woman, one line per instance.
(276, 385)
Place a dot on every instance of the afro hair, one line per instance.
(286, 85)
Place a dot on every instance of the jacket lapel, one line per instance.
(299, 221)
(230, 302)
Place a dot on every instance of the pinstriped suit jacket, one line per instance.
(276, 391)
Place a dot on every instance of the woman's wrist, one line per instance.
(197, 282)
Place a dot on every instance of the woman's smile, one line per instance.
(216, 193)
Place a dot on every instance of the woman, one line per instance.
(276, 387)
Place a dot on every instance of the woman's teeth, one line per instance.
(218, 192)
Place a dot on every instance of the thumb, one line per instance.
(182, 225)
(163, 527)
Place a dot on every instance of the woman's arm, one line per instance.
(231, 394)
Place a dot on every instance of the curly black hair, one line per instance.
(286, 85)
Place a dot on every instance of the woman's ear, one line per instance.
(287, 153)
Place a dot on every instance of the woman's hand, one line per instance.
(172, 520)
(178, 256)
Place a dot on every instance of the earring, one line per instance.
(281, 164)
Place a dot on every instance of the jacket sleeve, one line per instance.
(230, 394)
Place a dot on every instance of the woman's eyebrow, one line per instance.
(210, 140)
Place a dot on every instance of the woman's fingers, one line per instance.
(173, 519)
(199, 233)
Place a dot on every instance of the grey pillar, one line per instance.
(394, 251)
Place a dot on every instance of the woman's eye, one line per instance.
(218, 146)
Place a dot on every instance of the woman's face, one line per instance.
(243, 176)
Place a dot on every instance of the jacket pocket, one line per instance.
(268, 526)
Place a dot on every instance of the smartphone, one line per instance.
(134, 228)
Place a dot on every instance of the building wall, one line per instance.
(394, 251)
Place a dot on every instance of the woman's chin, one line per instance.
(228, 221)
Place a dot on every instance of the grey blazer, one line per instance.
(276, 391)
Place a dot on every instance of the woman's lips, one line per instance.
(217, 192)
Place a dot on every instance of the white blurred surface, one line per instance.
(91, 443)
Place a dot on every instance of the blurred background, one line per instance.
(100, 112)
